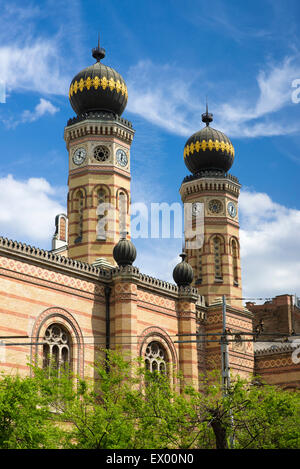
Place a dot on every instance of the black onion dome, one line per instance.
(208, 149)
(98, 88)
(183, 273)
(124, 252)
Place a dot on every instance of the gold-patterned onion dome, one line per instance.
(98, 88)
(208, 149)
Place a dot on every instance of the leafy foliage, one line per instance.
(25, 422)
(129, 407)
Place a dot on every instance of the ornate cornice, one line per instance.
(210, 181)
(211, 174)
(274, 348)
(25, 251)
(125, 272)
(100, 115)
(98, 123)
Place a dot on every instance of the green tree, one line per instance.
(25, 423)
(127, 407)
(97, 413)
(249, 415)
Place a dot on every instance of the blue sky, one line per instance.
(244, 56)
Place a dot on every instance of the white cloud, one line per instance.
(28, 209)
(163, 95)
(270, 246)
(44, 107)
(33, 67)
(35, 60)
(251, 118)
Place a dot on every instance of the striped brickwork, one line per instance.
(36, 292)
(241, 355)
(226, 228)
(90, 178)
(38, 289)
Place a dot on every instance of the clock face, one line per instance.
(215, 206)
(231, 208)
(122, 157)
(79, 156)
(196, 208)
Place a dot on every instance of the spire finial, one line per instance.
(207, 117)
(98, 52)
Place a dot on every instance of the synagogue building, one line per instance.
(87, 293)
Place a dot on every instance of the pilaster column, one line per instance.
(124, 314)
(186, 314)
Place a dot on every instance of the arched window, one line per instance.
(101, 213)
(156, 358)
(56, 348)
(217, 258)
(234, 250)
(122, 212)
(79, 216)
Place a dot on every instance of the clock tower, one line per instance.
(213, 193)
(98, 140)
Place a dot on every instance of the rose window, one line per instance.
(101, 153)
(156, 358)
(215, 206)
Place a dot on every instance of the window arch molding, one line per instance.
(156, 334)
(233, 240)
(75, 194)
(235, 255)
(222, 242)
(95, 192)
(61, 317)
(121, 190)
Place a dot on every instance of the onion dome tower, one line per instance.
(213, 193)
(208, 149)
(98, 140)
(183, 273)
(124, 252)
(98, 88)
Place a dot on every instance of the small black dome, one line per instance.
(208, 149)
(98, 88)
(124, 252)
(183, 273)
